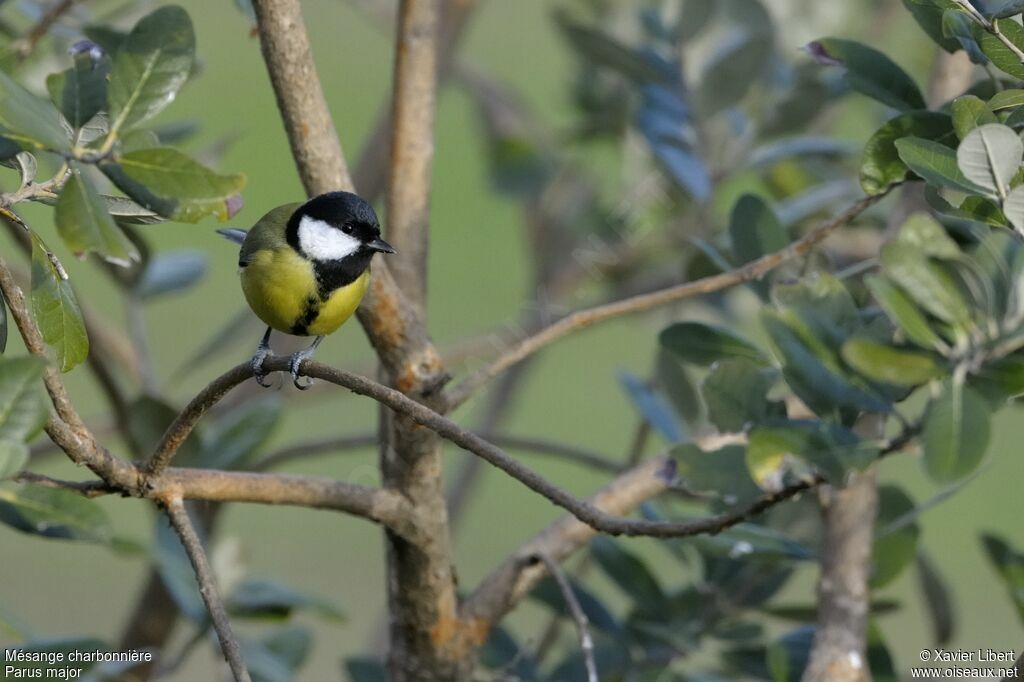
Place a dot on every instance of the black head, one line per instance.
(335, 225)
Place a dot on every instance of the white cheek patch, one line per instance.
(320, 241)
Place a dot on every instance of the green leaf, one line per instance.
(268, 599)
(81, 91)
(872, 73)
(882, 166)
(148, 420)
(173, 185)
(956, 24)
(969, 112)
(736, 394)
(23, 407)
(150, 67)
(1009, 564)
(171, 272)
(1002, 9)
(238, 435)
(811, 374)
(693, 17)
(13, 455)
(601, 49)
(56, 308)
(928, 236)
(721, 472)
(927, 283)
(1003, 57)
(53, 513)
(651, 407)
(29, 121)
(929, 14)
(937, 598)
(704, 344)
(880, 362)
(956, 433)
(85, 226)
(277, 657)
(548, 593)
(828, 448)
(1013, 208)
(732, 70)
(630, 573)
(754, 229)
(1006, 99)
(822, 302)
(126, 211)
(904, 313)
(677, 386)
(935, 163)
(758, 541)
(896, 547)
(365, 669)
(982, 210)
(990, 156)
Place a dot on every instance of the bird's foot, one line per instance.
(295, 366)
(256, 364)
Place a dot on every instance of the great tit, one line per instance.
(305, 267)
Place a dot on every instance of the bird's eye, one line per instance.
(347, 229)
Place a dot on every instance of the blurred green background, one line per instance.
(478, 280)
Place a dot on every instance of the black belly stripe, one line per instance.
(309, 315)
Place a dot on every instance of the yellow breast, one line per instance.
(281, 289)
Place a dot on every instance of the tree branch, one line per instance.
(582, 624)
(66, 427)
(85, 488)
(371, 170)
(300, 96)
(412, 144)
(204, 576)
(25, 45)
(520, 573)
(590, 316)
(839, 652)
(535, 446)
(424, 416)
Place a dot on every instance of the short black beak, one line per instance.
(379, 244)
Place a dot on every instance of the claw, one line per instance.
(295, 365)
(256, 364)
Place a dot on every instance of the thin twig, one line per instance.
(412, 144)
(207, 588)
(370, 172)
(992, 27)
(25, 45)
(535, 446)
(590, 316)
(84, 488)
(582, 624)
(517, 575)
(424, 416)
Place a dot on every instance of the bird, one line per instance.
(304, 268)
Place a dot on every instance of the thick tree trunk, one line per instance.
(839, 653)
